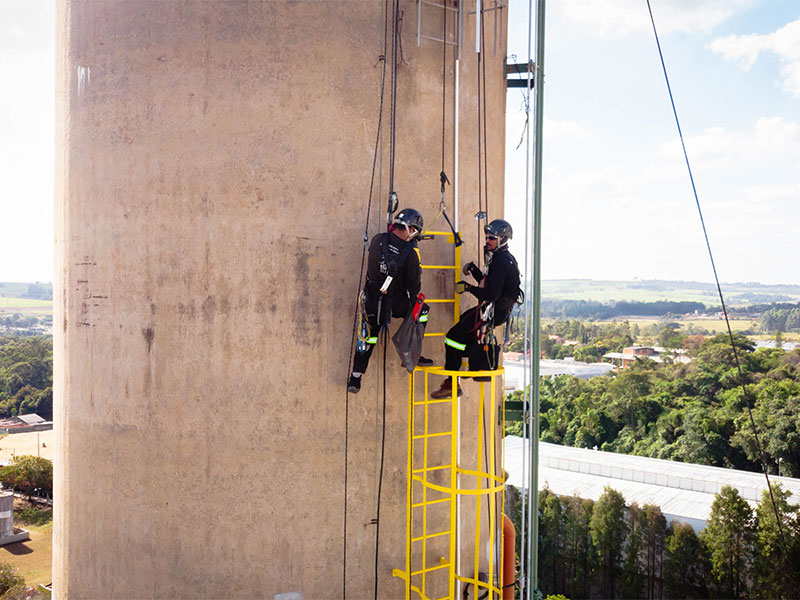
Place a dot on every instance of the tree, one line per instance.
(551, 548)
(9, 578)
(682, 573)
(29, 475)
(580, 556)
(654, 528)
(608, 530)
(777, 567)
(728, 537)
(632, 580)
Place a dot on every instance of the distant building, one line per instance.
(25, 423)
(516, 376)
(655, 353)
(683, 491)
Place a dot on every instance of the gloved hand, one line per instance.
(462, 286)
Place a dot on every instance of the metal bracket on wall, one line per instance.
(444, 4)
(520, 69)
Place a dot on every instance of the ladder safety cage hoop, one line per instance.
(438, 484)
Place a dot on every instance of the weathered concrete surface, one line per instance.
(213, 165)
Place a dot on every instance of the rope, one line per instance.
(482, 58)
(524, 576)
(480, 170)
(444, 83)
(384, 334)
(746, 396)
(384, 331)
(360, 278)
(393, 130)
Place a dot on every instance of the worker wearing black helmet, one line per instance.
(499, 286)
(394, 278)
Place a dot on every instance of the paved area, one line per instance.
(16, 444)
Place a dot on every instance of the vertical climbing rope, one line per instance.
(745, 394)
(384, 328)
(378, 136)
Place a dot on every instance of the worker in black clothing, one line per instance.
(394, 278)
(497, 292)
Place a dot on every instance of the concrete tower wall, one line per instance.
(213, 166)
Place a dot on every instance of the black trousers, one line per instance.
(459, 338)
(361, 359)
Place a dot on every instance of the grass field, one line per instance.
(33, 558)
(23, 303)
(736, 294)
(712, 325)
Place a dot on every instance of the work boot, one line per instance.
(424, 362)
(354, 384)
(446, 391)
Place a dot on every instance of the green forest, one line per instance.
(26, 376)
(695, 412)
(609, 549)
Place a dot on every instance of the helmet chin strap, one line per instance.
(409, 231)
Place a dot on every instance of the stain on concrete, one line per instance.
(209, 306)
(149, 335)
(302, 285)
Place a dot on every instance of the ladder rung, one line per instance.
(433, 435)
(436, 568)
(435, 39)
(419, 504)
(435, 334)
(431, 535)
(439, 266)
(439, 300)
(437, 5)
(439, 468)
(433, 402)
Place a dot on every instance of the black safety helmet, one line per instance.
(500, 229)
(408, 217)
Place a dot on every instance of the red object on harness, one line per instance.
(418, 306)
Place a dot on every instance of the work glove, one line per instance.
(472, 269)
(462, 286)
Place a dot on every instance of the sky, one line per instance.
(617, 202)
(27, 139)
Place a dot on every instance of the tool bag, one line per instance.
(408, 338)
(483, 357)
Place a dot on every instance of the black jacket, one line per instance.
(501, 284)
(405, 270)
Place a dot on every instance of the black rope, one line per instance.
(384, 335)
(442, 176)
(480, 170)
(384, 331)
(393, 132)
(762, 459)
(482, 57)
(360, 278)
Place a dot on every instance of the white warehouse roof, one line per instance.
(684, 491)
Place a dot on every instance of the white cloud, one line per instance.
(622, 17)
(770, 140)
(745, 49)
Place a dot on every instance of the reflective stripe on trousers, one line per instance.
(455, 344)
